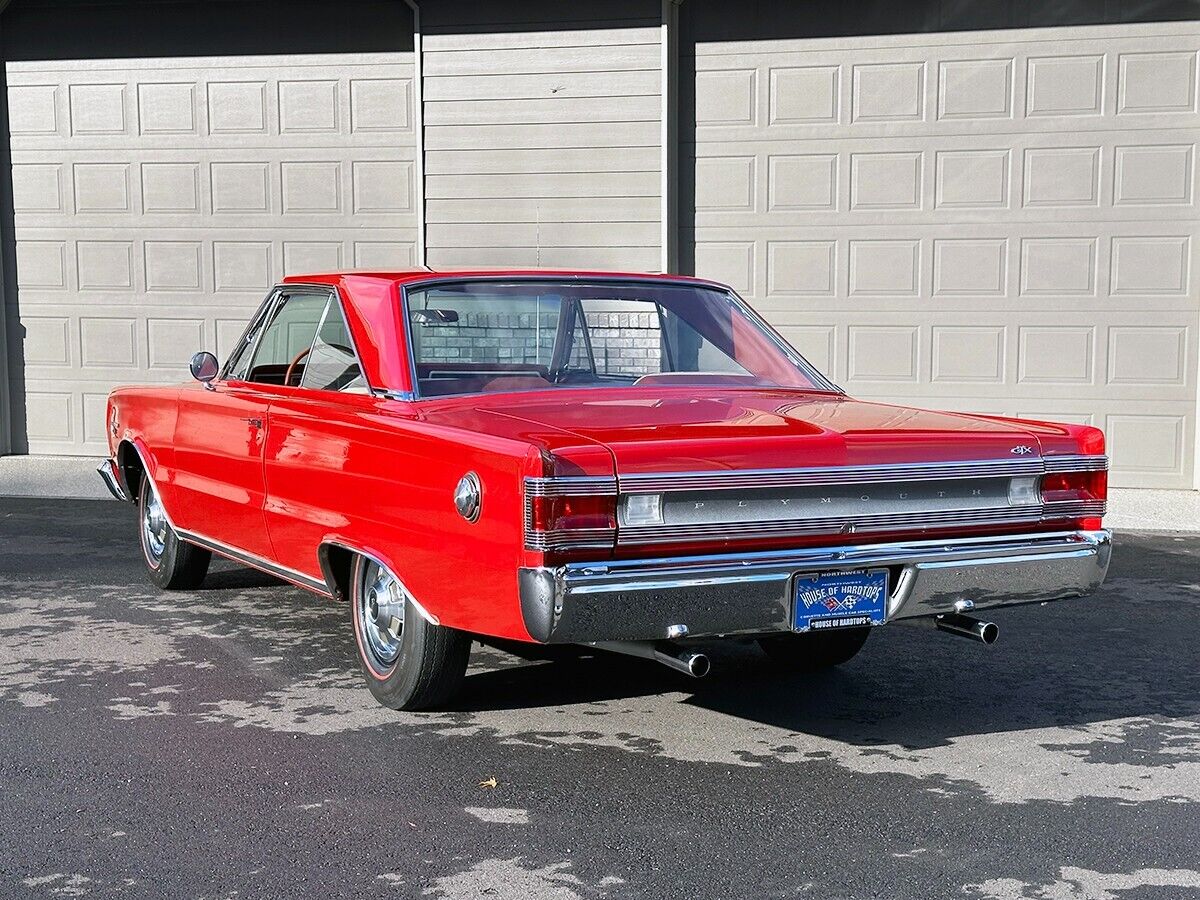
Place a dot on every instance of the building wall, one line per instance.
(543, 142)
(986, 206)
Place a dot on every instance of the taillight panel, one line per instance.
(703, 509)
(570, 514)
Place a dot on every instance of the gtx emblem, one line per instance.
(1021, 450)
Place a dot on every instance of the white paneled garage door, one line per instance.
(157, 200)
(1002, 222)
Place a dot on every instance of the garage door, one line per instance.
(1001, 222)
(157, 200)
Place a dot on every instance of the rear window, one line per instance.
(480, 337)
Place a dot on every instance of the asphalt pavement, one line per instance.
(218, 744)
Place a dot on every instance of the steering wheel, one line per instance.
(287, 378)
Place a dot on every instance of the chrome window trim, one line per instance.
(240, 347)
(335, 295)
(283, 293)
(342, 305)
(315, 287)
(821, 384)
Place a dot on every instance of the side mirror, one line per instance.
(204, 367)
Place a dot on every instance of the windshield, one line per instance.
(482, 337)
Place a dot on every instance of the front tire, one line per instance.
(171, 562)
(408, 662)
(814, 651)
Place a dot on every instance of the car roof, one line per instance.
(376, 321)
(404, 276)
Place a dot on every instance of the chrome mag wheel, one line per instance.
(154, 526)
(380, 609)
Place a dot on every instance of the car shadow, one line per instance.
(1126, 652)
(575, 676)
(226, 576)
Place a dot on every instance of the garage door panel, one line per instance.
(158, 200)
(1142, 76)
(1033, 178)
(1121, 355)
(315, 187)
(1140, 267)
(247, 101)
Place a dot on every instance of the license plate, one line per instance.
(840, 600)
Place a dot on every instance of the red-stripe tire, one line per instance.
(407, 661)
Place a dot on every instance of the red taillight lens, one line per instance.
(1058, 487)
(1078, 496)
(567, 513)
(563, 523)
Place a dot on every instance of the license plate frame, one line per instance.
(829, 601)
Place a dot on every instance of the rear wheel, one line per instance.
(814, 651)
(171, 562)
(408, 662)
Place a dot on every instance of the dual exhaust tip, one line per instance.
(673, 656)
(697, 665)
(968, 627)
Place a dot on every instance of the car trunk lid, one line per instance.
(755, 430)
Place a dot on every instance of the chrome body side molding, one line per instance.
(639, 600)
(336, 594)
(316, 585)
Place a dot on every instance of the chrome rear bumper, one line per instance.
(634, 600)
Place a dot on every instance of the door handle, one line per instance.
(255, 422)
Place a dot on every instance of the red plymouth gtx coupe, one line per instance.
(630, 462)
